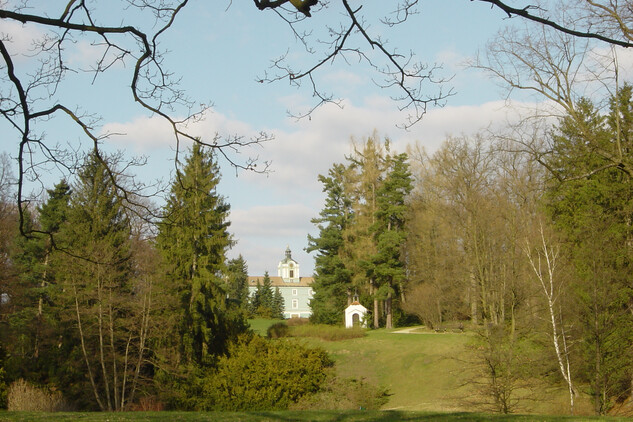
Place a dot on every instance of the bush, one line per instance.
(345, 394)
(294, 321)
(278, 330)
(264, 375)
(148, 404)
(23, 396)
(327, 332)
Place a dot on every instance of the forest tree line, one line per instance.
(114, 312)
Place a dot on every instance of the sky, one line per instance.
(218, 50)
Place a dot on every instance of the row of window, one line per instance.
(294, 292)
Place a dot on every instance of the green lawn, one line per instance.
(308, 416)
(429, 372)
(260, 325)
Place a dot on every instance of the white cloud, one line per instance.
(142, 134)
(299, 156)
(145, 134)
(269, 221)
(20, 38)
(269, 212)
(264, 231)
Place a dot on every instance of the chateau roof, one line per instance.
(279, 282)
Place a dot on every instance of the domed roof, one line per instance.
(288, 258)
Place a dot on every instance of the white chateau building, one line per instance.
(296, 290)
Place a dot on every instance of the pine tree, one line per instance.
(367, 168)
(237, 281)
(255, 300)
(96, 275)
(266, 298)
(278, 304)
(35, 353)
(594, 213)
(332, 281)
(265, 303)
(390, 233)
(193, 239)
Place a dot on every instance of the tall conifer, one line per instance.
(193, 238)
(96, 273)
(332, 281)
(594, 213)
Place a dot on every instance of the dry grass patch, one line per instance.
(327, 332)
(25, 397)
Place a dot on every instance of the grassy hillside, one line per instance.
(428, 371)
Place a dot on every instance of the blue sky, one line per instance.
(219, 49)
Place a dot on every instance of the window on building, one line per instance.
(295, 304)
(292, 273)
(294, 292)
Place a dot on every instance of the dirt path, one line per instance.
(409, 330)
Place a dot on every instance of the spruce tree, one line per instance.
(95, 273)
(594, 213)
(237, 281)
(34, 354)
(193, 239)
(390, 233)
(332, 279)
(278, 304)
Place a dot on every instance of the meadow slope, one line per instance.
(428, 371)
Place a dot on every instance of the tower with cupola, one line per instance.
(288, 268)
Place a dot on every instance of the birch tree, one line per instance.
(543, 260)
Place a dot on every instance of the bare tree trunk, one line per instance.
(372, 292)
(125, 369)
(40, 306)
(104, 371)
(85, 352)
(389, 319)
(376, 316)
(115, 380)
(550, 255)
(474, 302)
(143, 334)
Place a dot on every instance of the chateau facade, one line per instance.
(296, 290)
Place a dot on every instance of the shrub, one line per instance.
(278, 330)
(327, 332)
(148, 404)
(23, 396)
(264, 375)
(345, 394)
(294, 321)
